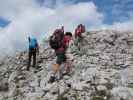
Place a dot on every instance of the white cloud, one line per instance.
(10, 9)
(28, 17)
(82, 12)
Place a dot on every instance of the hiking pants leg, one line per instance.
(34, 58)
(29, 59)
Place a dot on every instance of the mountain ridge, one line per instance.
(101, 70)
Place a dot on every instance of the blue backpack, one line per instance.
(32, 43)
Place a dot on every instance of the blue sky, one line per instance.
(113, 10)
(3, 22)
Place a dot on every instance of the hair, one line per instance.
(68, 34)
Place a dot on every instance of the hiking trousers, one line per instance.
(78, 41)
(32, 55)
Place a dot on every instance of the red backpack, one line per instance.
(83, 29)
(56, 38)
(80, 29)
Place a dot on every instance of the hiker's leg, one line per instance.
(34, 58)
(78, 44)
(80, 40)
(67, 66)
(60, 60)
(55, 67)
(29, 59)
(65, 63)
(76, 41)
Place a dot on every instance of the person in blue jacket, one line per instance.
(33, 50)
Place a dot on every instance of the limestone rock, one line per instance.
(100, 69)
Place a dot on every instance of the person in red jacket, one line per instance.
(78, 34)
(61, 52)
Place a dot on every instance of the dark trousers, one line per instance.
(32, 54)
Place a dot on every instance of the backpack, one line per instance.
(55, 41)
(83, 29)
(80, 29)
(32, 43)
(78, 32)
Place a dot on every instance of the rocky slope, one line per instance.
(101, 70)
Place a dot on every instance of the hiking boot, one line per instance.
(27, 68)
(52, 79)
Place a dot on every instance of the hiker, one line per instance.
(78, 35)
(33, 50)
(60, 50)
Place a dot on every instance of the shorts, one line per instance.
(61, 58)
